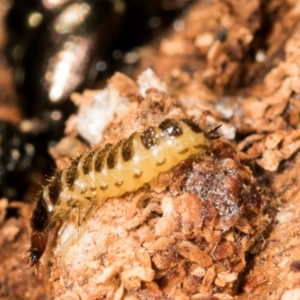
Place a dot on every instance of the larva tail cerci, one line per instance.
(114, 171)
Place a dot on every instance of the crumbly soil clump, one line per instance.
(183, 236)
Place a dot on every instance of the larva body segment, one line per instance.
(113, 171)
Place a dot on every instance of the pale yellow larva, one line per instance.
(112, 171)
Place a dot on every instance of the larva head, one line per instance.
(211, 134)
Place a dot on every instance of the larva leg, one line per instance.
(89, 212)
(79, 220)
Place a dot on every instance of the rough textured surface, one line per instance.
(275, 273)
(202, 58)
(16, 280)
(184, 236)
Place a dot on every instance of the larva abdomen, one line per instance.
(113, 171)
(160, 154)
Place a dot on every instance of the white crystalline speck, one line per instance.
(147, 80)
(91, 120)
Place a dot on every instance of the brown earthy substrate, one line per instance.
(17, 281)
(184, 235)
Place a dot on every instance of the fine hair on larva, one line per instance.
(113, 171)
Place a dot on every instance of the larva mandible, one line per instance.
(113, 171)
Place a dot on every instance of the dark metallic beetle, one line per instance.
(68, 43)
